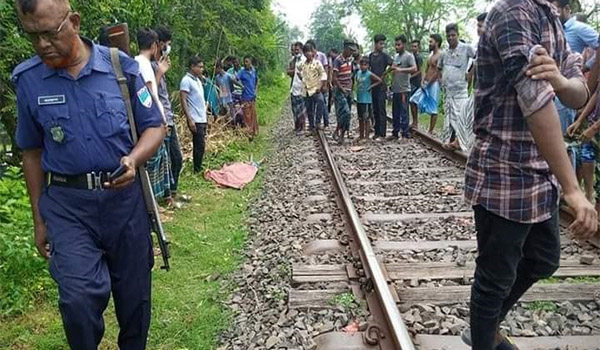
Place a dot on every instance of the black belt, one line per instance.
(91, 181)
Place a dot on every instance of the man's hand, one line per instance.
(543, 67)
(572, 129)
(587, 135)
(41, 240)
(191, 126)
(128, 176)
(586, 218)
(164, 64)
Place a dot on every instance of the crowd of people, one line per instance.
(230, 93)
(347, 78)
(524, 105)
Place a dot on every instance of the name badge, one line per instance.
(51, 100)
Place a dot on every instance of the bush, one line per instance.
(23, 273)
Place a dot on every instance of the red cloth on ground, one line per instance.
(235, 175)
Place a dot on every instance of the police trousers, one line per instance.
(100, 244)
(512, 257)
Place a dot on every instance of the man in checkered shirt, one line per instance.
(519, 159)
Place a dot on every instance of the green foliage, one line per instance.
(415, 19)
(542, 306)
(23, 274)
(326, 26)
(207, 240)
(211, 29)
(346, 301)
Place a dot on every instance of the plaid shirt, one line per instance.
(506, 173)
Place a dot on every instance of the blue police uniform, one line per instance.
(100, 239)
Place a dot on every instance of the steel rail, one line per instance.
(566, 214)
(394, 322)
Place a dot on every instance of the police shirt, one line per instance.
(80, 123)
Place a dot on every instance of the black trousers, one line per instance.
(512, 257)
(199, 145)
(379, 113)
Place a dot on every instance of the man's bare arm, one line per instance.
(545, 128)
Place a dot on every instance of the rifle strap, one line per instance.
(116, 63)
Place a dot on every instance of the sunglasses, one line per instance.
(49, 35)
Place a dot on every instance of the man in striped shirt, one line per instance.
(342, 82)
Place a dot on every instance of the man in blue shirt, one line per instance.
(73, 129)
(249, 78)
(579, 36)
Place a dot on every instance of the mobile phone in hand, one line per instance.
(118, 172)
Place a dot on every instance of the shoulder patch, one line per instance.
(25, 66)
(144, 96)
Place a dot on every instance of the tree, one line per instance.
(414, 18)
(326, 26)
(211, 29)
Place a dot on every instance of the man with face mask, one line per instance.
(158, 164)
(172, 140)
(73, 129)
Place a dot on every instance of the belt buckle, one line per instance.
(96, 183)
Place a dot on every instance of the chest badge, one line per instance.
(58, 134)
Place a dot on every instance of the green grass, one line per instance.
(207, 238)
(542, 306)
(572, 280)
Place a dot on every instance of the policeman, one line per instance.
(73, 129)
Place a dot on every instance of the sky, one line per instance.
(298, 12)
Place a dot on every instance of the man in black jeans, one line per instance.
(193, 106)
(519, 159)
(379, 61)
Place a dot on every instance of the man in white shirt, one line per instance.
(297, 89)
(149, 51)
(194, 107)
(158, 165)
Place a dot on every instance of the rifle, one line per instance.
(151, 205)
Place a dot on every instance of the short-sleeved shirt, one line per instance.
(343, 67)
(297, 88)
(415, 79)
(506, 174)
(363, 82)
(249, 78)
(401, 81)
(211, 96)
(195, 97)
(163, 96)
(149, 77)
(580, 35)
(321, 57)
(454, 64)
(378, 64)
(237, 89)
(80, 123)
(225, 84)
(313, 75)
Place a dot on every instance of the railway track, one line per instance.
(411, 242)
